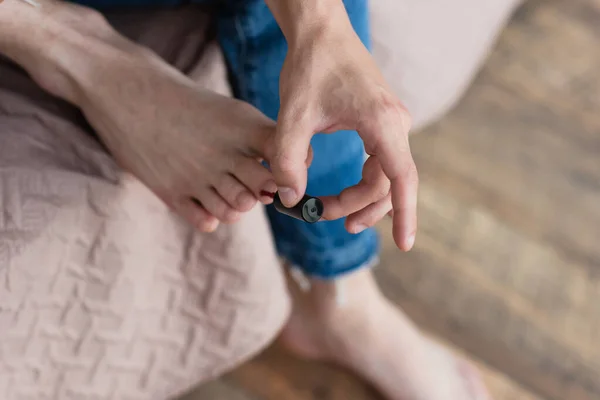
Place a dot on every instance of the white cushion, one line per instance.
(430, 50)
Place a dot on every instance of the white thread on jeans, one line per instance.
(300, 278)
(340, 298)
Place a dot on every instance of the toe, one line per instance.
(193, 211)
(217, 206)
(235, 193)
(256, 178)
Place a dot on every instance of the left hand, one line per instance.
(329, 82)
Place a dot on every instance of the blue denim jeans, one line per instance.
(255, 49)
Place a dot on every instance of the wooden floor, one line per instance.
(507, 266)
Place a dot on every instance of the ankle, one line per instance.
(347, 292)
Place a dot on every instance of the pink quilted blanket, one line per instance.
(104, 294)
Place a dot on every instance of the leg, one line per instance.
(105, 293)
(363, 331)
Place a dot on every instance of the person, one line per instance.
(306, 65)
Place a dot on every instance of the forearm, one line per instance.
(303, 19)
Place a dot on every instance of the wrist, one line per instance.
(306, 21)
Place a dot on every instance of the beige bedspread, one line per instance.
(104, 293)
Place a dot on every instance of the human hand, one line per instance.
(329, 82)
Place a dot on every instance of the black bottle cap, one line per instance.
(309, 209)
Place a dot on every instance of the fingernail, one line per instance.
(410, 242)
(360, 228)
(287, 196)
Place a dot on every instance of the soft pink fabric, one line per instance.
(430, 50)
(104, 293)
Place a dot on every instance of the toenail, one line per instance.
(270, 195)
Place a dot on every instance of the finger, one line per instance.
(217, 206)
(256, 178)
(404, 190)
(369, 216)
(235, 193)
(192, 211)
(288, 157)
(373, 187)
(393, 151)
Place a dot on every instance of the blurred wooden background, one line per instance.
(507, 264)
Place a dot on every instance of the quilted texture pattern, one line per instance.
(104, 293)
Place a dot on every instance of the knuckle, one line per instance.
(391, 110)
(298, 111)
(383, 113)
(410, 175)
(284, 162)
(383, 188)
(399, 114)
(405, 120)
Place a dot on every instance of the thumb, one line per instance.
(288, 161)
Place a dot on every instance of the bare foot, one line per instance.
(364, 332)
(197, 150)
